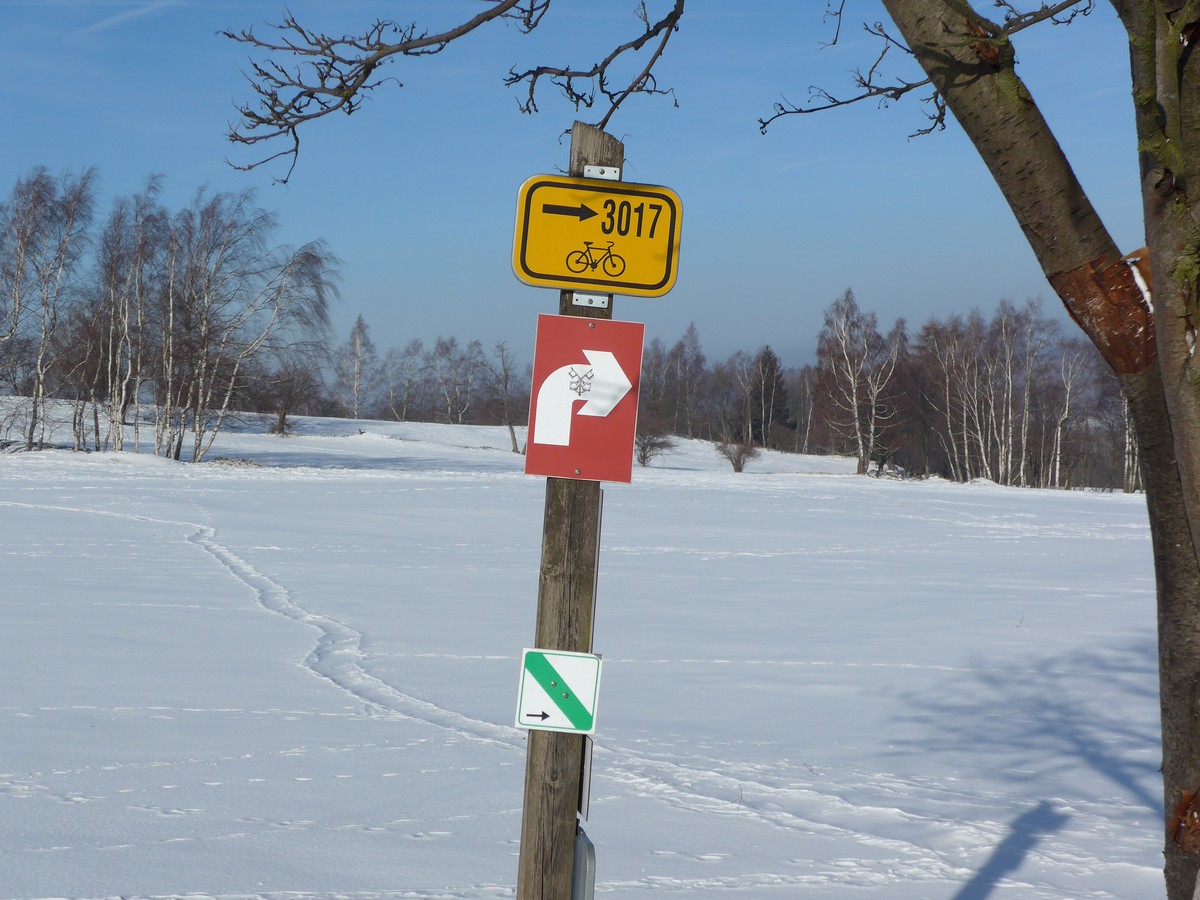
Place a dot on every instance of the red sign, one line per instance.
(583, 408)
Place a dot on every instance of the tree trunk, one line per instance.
(971, 64)
(1166, 90)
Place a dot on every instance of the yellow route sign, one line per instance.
(590, 234)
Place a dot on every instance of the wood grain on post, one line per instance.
(566, 603)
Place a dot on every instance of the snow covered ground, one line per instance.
(296, 678)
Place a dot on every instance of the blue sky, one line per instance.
(416, 192)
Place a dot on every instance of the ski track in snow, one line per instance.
(338, 656)
(773, 795)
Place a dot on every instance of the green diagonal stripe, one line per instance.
(552, 683)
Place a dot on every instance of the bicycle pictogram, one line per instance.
(590, 257)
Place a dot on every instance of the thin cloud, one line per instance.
(139, 11)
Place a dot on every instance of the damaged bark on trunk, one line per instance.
(1110, 301)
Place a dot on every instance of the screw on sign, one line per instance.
(583, 408)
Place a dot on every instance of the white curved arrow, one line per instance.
(556, 397)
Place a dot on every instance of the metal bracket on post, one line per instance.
(591, 301)
(608, 173)
(583, 873)
(585, 778)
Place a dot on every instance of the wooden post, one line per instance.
(566, 603)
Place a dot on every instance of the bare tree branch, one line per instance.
(597, 75)
(837, 19)
(987, 40)
(307, 75)
(1061, 13)
(335, 73)
(869, 88)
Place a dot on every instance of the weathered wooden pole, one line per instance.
(566, 604)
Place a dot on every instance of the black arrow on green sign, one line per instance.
(580, 212)
(543, 715)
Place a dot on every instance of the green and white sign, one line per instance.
(558, 691)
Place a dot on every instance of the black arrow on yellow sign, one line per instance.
(580, 212)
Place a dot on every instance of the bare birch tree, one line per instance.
(56, 215)
(1072, 365)
(455, 371)
(768, 397)
(687, 369)
(21, 222)
(503, 386)
(231, 295)
(356, 369)
(801, 384)
(404, 385)
(129, 260)
(857, 363)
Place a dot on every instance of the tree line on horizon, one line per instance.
(1007, 398)
(157, 326)
(163, 321)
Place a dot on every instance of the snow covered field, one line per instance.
(297, 678)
